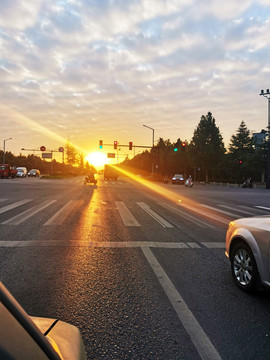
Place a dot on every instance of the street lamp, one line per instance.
(152, 144)
(267, 168)
(153, 133)
(4, 149)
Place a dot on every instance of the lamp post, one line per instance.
(153, 141)
(267, 167)
(4, 150)
(153, 133)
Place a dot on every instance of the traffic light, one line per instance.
(183, 146)
(100, 144)
(115, 145)
(130, 145)
(175, 148)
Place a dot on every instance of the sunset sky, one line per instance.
(90, 70)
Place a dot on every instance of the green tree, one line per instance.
(242, 154)
(71, 154)
(207, 147)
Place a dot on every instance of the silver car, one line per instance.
(247, 247)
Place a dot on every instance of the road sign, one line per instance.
(111, 155)
(61, 149)
(42, 148)
(46, 155)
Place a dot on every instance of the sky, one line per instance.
(90, 70)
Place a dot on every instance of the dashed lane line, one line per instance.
(196, 333)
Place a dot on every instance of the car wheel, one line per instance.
(244, 267)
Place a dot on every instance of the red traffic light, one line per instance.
(130, 145)
(183, 146)
(115, 145)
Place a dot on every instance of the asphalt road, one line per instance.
(139, 269)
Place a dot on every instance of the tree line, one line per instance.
(205, 157)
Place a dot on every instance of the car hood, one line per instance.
(258, 222)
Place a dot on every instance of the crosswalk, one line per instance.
(20, 211)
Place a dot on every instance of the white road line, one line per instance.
(108, 244)
(126, 216)
(1, 200)
(240, 211)
(199, 338)
(191, 218)
(262, 207)
(207, 214)
(59, 217)
(18, 219)
(14, 205)
(154, 215)
(218, 210)
(214, 245)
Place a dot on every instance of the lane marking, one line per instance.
(1, 200)
(18, 219)
(197, 335)
(214, 245)
(209, 215)
(108, 244)
(154, 215)
(262, 207)
(14, 205)
(191, 218)
(59, 217)
(240, 211)
(221, 211)
(126, 216)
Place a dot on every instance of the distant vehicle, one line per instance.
(7, 171)
(178, 179)
(110, 173)
(247, 248)
(34, 172)
(21, 172)
(26, 337)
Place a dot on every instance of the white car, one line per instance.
(21, 172)
(248, 249)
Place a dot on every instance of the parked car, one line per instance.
(178, 179)
(25, 337)
(21, 172)
(34, 172)
(248, 249)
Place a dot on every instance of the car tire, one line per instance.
(244, 268)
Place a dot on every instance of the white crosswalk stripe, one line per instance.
(59, 217)
(18, 219)
(14, 205)
(154, 215)
(63, 212)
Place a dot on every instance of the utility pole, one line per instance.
(266, 94)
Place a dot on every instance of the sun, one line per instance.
(97, 159)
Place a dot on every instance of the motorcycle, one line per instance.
(90, 179)
(247, 184)
(189, 183)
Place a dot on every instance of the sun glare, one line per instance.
(97, 159)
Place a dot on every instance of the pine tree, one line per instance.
(207, 145)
